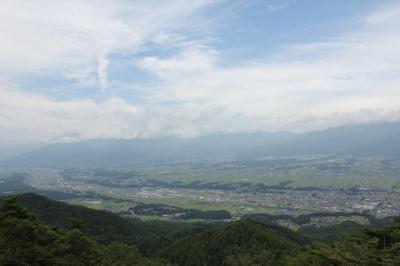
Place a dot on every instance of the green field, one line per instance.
(302, 171)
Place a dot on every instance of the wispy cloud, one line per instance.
(272, 7)
(102, 71)
(356, 73)
(64, 37)
(351, 78)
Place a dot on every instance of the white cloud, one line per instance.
(102, 71)
(332, 82)
(63, 37)
(34, 118)
(354, 78)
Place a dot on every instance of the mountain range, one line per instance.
(360, 139)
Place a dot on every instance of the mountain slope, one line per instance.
(389, 145)
(149, 150)
(241, 240)
(25, 240)
(342, 140)
(102, 224)
(329, 233)
(362, 139)
(370, 247)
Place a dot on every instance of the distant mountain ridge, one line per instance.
(362, 139)
(149, 150)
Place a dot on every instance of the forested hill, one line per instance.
(236, 243)
(54, 233)
(25, 240)
(104, 225)
(97, 222)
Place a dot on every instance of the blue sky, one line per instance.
(124, 69)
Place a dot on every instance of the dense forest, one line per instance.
(25, 240)
(185, 214)
(37, 231)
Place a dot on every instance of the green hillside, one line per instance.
(370, 247)
(47, 232)
(105, 226)
(330, 233)
(25, 240)
(245, 240)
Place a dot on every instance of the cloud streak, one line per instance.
(67, 37)
(191, 90)
(102, 72)
(354, 74)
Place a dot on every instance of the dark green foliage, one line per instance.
(372, 247)
(330, 233)
(102, 224)
(207, 215)
(98, 222)
(376, 222)
(266, 218)
(26, 241)
(180, 213)
(107, 227)
(251, 241)
(155, 209)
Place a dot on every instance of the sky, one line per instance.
(75, 70)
